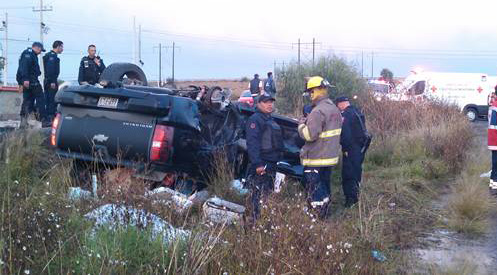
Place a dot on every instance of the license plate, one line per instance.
(107, 102)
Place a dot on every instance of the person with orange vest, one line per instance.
(492, 139)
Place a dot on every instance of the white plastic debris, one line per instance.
(94, 185)
(199, 197)
(238, 186)
(220, 211)
(279, 180)
(113, 216)
(486, 175)
(76, 193)
(179, 201)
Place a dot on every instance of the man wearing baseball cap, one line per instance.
(27, 78)
(265, 147)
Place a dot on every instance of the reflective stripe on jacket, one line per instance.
(321, 133)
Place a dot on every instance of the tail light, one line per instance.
(162, 143)
(53, 134)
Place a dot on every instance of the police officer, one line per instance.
(352, 139)
(51, 63)
(255, 87)
(27, 78)
(91, 67)
(265, 147)
(321, 132)
(269, 85)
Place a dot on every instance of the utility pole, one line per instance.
(299, 44)
(140, 45)
(160, 62)
(173, 61)
(372, 64)
(5, 25)
(362, 64)
(299, 53)
(42, 25)
(313, 50)
(134, 40)
(173, 47)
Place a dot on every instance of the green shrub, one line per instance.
(292, 82)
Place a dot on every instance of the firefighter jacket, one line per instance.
(492, 126)
(321, 132)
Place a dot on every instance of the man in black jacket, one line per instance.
(91, 67)
(51, 63)
(352, 139)
(27, 78)
(264, 147)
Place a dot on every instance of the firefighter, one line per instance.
(91, 67)
(264, 146)
(32, 92)
(353, 139)
(321, 132)
(51, 63)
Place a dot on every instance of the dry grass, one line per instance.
(402, 175)
(470, 205)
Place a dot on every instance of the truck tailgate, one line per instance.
(105, 134)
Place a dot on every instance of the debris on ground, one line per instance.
(278, 182)
(77, 193)
(121, 181)
(168, 196)
(239, 187)
(486, 175)
(220, 211)
(377, 255)
(199, 197)
(113, 216)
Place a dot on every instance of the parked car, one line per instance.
(158, 131)
(246, 99)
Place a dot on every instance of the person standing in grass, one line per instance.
(321, 131)
(264, 146)
(353, 140)
(492, 139)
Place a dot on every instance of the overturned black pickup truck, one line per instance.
(158, 131)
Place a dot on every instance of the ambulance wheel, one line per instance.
(471, 114)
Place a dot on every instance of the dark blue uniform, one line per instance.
(352, 140)
(51, 63)
(89, 71)
(29, 70)
(264, 146)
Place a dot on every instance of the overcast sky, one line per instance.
(231, 39)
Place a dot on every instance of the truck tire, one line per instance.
(471, 113)
(128, 73)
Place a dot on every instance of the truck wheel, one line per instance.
(471, 114)
(127, 73)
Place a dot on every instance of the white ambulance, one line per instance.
(469, 91)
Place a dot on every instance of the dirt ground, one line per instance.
(450, 249)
